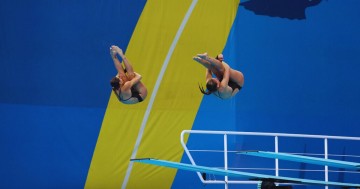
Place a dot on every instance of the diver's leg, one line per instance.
(127, 64)
(237, 77)
(216, 64)
(203, 62)
(118, 66)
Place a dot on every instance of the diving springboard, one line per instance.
(304, 159)
(244, 175)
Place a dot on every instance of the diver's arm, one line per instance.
(132, 82)
(135, 79)
(208, 75)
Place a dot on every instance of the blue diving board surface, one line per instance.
(243, 175)
(304, 159)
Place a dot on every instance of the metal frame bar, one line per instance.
(276, 143)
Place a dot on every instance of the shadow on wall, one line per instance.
(291, 9)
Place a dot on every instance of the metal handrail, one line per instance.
(276, 142)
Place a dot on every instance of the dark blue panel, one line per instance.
(57, 52)
(47, 147)
(55, 87)
(290, 9)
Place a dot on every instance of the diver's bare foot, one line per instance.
(112, 51)
(197, 59)
(118, 50)
(203, 56)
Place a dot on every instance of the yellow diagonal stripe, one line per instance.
(177, 100)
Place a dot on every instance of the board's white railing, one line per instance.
(276, 136)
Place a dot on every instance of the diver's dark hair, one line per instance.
(211, 86)
(203, 91)
(114, 82)
(217, 57)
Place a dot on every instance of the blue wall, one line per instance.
(55, 86)
(301, 76)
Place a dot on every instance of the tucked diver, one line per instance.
(127, 84)
(228, 82)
